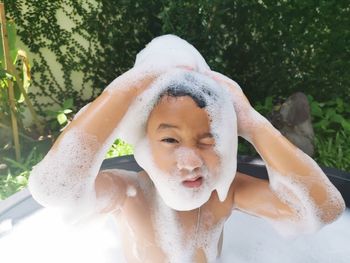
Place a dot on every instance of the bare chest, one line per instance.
(152, 232)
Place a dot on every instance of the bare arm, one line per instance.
(292, 170)
(297, 186)
(67, 176)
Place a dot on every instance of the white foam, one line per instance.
(181, 245)
(169, 186)
(43, 237)
(65, 178)
(170, 51)
(295, 191)
(131, 191)
(170, 234)
(132, 129)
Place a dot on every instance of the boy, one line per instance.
(174, 210)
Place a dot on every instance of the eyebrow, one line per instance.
(163, 126)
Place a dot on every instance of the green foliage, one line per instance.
(269, 47)
(334, 151)
(61, 116)
(330, 116)
(331, 121)
(15, 80)
(119, 148)
(14, 174)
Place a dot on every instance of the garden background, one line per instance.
(272, 48)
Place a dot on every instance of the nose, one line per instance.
(188, 159)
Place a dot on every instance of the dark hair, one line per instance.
(180, 90)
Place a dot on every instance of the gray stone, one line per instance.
(293, 119)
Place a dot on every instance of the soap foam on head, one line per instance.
(170, 51)
(223, 127)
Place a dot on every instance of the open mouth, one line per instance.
(195, 183)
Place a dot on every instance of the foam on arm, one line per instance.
(65, 178)
(298, 181)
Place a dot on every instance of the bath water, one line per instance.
(44, 237)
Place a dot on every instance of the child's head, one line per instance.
(184, 132)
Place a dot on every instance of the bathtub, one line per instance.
(31, 233)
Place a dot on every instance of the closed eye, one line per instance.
(207, 142)
(169, 140)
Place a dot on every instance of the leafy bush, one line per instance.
(334, 151)
(331, 121)
(119, 148)
(269, 47)
(14, 174)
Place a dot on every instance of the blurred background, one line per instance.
(291, 58)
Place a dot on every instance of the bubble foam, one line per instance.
(65, 178)
(170, 51)
(223, 126)
(296, 191)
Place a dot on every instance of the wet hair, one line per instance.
(180, 90)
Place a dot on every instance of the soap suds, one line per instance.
(294, 190)
(65, 178)
(66, 175)
(181, 246)
(223, 127)
(131, 191)
(169, 51)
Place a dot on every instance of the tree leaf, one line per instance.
(316, 109)
(346, 125)
(61, 118)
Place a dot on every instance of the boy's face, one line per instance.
(180, 139)
(182, 149)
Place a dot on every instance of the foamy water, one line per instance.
(43, 238)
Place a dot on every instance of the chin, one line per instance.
(183, 199)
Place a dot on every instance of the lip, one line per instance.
(193, 183)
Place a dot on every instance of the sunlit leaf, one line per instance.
(61, 118)
(21, 180)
